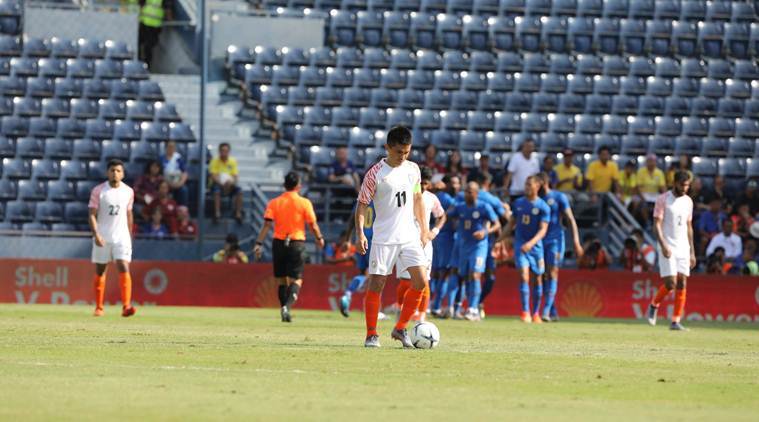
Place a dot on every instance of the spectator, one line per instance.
(454, 167)
(631, 257)
(595, 257)
(646, 249)
(166, 204)
(146, 186)
(750, 196)
(185, 228)
(549, 164)
(602, 174)
(341, 252)
(430, 159)
(482, 168)
(698, 194)
(231, 254)
(742, 220)
(628, 186)
(569, 175)
(710, 222)
(224, 177)
(718, 191)
(175, 172)
(521, 166)
(683, 164)
(651, 184)
(155, 229)
(152, 15)
(343, 171)
(728, 241)
(715, 263)
(743, 263)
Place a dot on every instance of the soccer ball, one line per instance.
(425, 335)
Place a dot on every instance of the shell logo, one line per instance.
(581, 300)
(266, 293)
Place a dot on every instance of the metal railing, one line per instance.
(620, 223)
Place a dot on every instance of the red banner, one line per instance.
(581, 293)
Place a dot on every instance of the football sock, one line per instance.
(550, 292)
(537, 293)
(474, 290)
(99, 291)
(487, 287)
(453, 289)
(660, 295)
(356, 283)
(292, 294)
(282, 292)
(524, 294)
(433, 286)
(125, 281)
(424, 303)
(410, 305)
(679, 305)
(441, 293)
(371, 309)
(400, 291)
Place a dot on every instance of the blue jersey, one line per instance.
(470, 220)
(493, 201)
(529, 215)
(558, 203)
(446, 201)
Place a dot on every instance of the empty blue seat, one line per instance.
(712, 88)
(142, 151)
(15, 126)
(86, 149)
(463, 100)
(606, 85)
(528, 32)
(561, 123)
(80, 68)
(19, 212)
(658, 86)
(49, 212)
(103, 129)
(518, 101)
(587, 123)
(527, 82)
(155, 131)
(676, 106)
(52, 68)
(42, 127)
(642, 125)
(376, 58)
(115, 150)
(61, 191)
(56, 148)
(598, 104)
(551, 142)
(719, 11)
(590, 8)
(71, 128)
(55, 107)
(668, 126)
(300, 96)
(475, 32)
(714, 147)
(711, 36)
(403, 59)
(166, 112)
(126, 131)
(134, 69)
(421, 80)
(486, 8)
(449, 33)
(76, 213)
(607, 36)
(703, 166)
(411, 99)
(68, 88)
(624, 105)
(480, 121)
(737, 88)
(509, 62)
(589, 65)
(429, 60)
(546, 103)
(369, 26)
(747, 128)
(30, 148)
(339, 78)
(538, 7)
(687, 146)
(421, 28)
(564, 8)
(97, 88)
(426, 120)
(512, 7)
(109, 69)
(741, 147)
(751, 107)
(105, 109)
(633, 34)
(500, 82)
(632, 85)
(695, 126)
(181, 132)
(356, 97)
(703, 107)
(581, 34)
(685, 36)
(333, 136)
(366, 78)
(502, 33)
(399, 117)
(616, 125)
(454, 120)
(372, 118)
(730, 107)
(285, 76)
(327, 96)
(490, 101)
(616, 66)
(445, 140)
(555, 31)
(737, 40)
(685, 87)
(23, 66)
(581, 142)
(635, 144)
(13, 86)
(507, 121)
(345, 116)
(342, 28)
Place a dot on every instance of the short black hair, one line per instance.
(115, 162)
(426, 173)
(224, 144)
(543, 177)
(637, 232)
(231, 239)
(681, 176)
(603, 148)
(292, 180)
(399, 135)
(484, 179)
(148, 165)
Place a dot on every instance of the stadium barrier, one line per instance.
(603, 294)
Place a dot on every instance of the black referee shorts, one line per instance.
(288, 260)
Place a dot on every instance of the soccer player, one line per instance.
(432, 208)
(443, 244)
(503, 212)
(111, 223)
(362, 262)
(529, 225)
(673, 213)
(553, 243)
(476, 221)
(394, 184)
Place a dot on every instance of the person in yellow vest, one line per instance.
(152, 15)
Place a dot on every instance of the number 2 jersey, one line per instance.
(112, 205)
(675, 213)
(392, 189)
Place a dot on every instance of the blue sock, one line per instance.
(453, 289)
(487, 287)
(442, 292)
(356, 284)
(475, 290)
(554, 312)
(537, 291)
(524, 292)
(550, 296)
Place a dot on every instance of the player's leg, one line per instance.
(400, 290)
(683, 271)
(125, 283)
(473, 297)
(668, 273)
(99, 285)
(294, 274)
(537, 297)
(440, 291)
(549, 290)
(411, 301)
(382, 259)
(489, 279)
(523, 267)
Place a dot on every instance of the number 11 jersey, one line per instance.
(112, 205)
(392, 190)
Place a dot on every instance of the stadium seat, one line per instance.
(399, 117)
(711, 36)
(695, 126)
(86, 149)
(719, 10)
(476, 34)
(587, 123)
(76, 213)
(747, 128)
(598, 104)
(555, 32)
(730, 107)
(411, 99)
(27, 107)
(142, 151)
(571, 104)
(445, 140)
(528, 33)
(561, 123)
(737, 40)
(703, 166)
(743, 12)
(581, 142)
(19, 212)
(480, 121)
(61, 191)
(605, 85)
(632, 85)
(449, 34)
(735, 88)
(624, 105)
(419, 29)
(545, 103)
(372, 118)
(427, 120)
(403, 59)
(685, 36)
(502, 33)
(607, 36)
(464, 100)
(54, 107)
(42, 127)
(485, 8)
(14, 126)
(31, 190)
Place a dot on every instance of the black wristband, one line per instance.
(259, 243)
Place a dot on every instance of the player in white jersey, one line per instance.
(394, 184)
(673, 213)
(111, 223)
(432, 208)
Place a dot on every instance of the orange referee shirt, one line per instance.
(290, 213)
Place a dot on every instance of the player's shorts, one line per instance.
(443, 245)
(673, 266)
(383, 258)
(362, 261)
(473, 259)
(288, 260)
(553, 251)
(533, 259)
(453, 261)
(428, 254)
(113, 251)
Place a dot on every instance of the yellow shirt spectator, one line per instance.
(223, 169)
(602, 177)
(651, 183)
(627, 185)
(563, 173)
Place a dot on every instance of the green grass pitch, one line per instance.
(59, 363)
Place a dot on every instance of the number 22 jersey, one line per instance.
(112, 205)
(392, 190)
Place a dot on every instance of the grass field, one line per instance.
(211, 363)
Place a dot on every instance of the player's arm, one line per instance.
(481, 234)
(439, 223)
(93, 220)
(658, 221)
(570, 216)
(258, 246)
(692, 247)
(314, 227)
(508, 229)
(362, 243)
(542, 230)
(419, 215)
(130, 220)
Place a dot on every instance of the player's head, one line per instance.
(531, 187)
(426, 174)
(484, 180)
(727, 227)
(398, 145)
(292, 181)
(545, 182)
(471, 192)
(604, 153)
(681, 183)
(224, 149)
(454, 184)
(115, 171)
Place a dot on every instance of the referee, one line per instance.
(289, 213)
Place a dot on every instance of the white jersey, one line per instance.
(392, 190)
(675, 213)
(432, 207)
(112, 205)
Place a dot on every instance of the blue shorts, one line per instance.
(362, 261)
(532, 259)
(472, 258)
(443, 247)
(453, 260)
(232, 192)
(553, 251)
